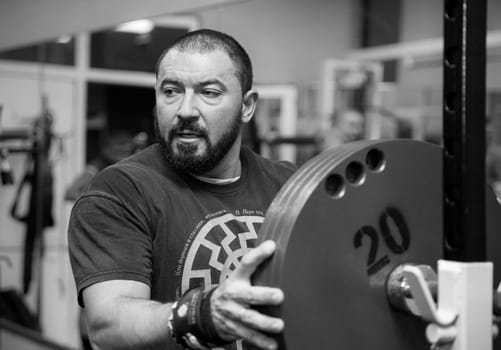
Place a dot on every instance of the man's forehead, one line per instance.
(214, 61)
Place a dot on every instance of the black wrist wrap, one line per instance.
(191, 323)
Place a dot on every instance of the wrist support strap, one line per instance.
(191, 324)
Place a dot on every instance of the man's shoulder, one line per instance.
(150, 156)
(144, 168)
(146, 161)
(279, 168)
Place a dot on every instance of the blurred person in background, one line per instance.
(346, 126)
(493, 158)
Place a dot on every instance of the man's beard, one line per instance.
(186, 159)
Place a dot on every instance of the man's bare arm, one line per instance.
(121, 316)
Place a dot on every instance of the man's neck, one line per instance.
(229, 167)
(224, 173)
(217, 181)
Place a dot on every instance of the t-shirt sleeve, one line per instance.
(108, 239)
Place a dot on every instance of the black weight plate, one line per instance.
(342, 223)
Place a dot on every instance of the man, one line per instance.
(347, 126)
(160, 242)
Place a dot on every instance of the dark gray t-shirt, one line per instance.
(140, 220)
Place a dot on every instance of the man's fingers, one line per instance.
(257, 320)
(258, 295)
(253, 259)
(241, 331)
(231, 300)
(253, 318)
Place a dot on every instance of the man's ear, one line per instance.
(249, 105)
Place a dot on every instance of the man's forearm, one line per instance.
(129, 323)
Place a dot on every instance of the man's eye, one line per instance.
(170, 91)
(211, 93)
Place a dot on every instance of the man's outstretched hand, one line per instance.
(231, 302)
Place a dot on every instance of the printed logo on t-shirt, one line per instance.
(216, 245)
(214, 249)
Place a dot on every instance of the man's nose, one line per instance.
(189, 106)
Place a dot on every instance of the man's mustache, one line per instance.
(188, 126)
